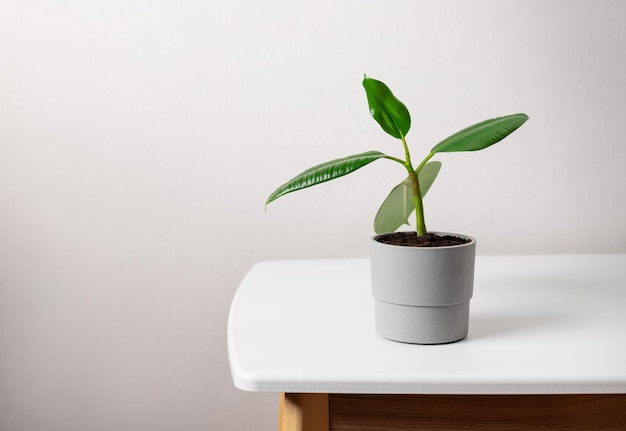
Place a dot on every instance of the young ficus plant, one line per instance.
(394, 118)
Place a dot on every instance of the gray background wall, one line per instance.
(139, 140)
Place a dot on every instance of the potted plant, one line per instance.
(422, 281)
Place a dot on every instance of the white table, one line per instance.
(539, 326)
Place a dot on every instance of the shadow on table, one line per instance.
(497, 325)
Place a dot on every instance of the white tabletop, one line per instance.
(538, 325)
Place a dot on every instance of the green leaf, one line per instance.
(398, 206)
(386, 109)
(325, 172)
(481, 135)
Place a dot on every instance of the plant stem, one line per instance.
(417, 195)
(419, 207)
(419, 168)
(417, 198)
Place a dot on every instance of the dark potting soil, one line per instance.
(410, 239)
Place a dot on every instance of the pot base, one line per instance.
(422, 324)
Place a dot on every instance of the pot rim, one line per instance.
(472, 240)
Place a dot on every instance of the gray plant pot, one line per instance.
(422, 294)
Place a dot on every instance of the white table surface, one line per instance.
(538, 325)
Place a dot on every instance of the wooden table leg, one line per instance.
(303, 412)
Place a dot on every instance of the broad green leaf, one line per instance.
(481, 135)
(386, 109)
(325, 172)
(398, 206)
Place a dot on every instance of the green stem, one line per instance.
(420, 224)
(417, 198)
(419, 208)
(395, 159)
(428, 157)
(417, 195)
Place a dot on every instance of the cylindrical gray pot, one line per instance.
(422, 294)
